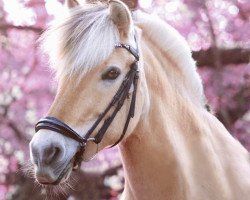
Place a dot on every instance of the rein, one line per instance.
(131, 78)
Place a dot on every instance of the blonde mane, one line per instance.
(177, 50)
(81, 40)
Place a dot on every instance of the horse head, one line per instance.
(95, 51)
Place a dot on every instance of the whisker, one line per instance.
(74, 178)
(62, 190)
(27, 169)
(51, 192)
(69, 186)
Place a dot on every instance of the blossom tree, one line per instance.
(217, 31)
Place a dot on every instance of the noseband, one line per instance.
(131, 78)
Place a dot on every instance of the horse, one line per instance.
(129, 80)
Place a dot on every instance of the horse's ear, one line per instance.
(121, 16)
(71, 3)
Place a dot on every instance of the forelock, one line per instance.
(80, 41)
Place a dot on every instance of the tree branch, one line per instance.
(203, 57)
(227, 56)
(216, 57)
(27, 28)
(112, 171)
(16, 130)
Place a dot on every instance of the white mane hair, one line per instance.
(81, 40)
(176, 47)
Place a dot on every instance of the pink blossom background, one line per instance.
(27, 86)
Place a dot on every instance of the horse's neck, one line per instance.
(175, 152)
(150, 165)
(149, 157)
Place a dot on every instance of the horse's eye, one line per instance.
(111, 74)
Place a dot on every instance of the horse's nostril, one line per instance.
(51, 154)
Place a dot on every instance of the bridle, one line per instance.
(131, 79)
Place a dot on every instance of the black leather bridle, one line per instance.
(131, 79)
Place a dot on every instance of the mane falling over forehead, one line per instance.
(81, 40)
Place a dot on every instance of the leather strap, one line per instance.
(132, 107)
(130, 49)
(52, 123)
